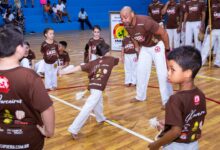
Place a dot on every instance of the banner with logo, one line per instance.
(117, 29)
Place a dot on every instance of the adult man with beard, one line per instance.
(153, 40)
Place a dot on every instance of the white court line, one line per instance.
(108, 121)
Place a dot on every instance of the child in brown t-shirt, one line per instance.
(99, 71)
(27, 114)
(129, 53)
(64, 59)
(186, 109)
(94, 41)
(49, 49)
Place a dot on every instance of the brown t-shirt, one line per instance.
(194, 10)
(50, 52)
(93, 43)
(143, 31)
(155, 11)
(22, 99)
(187, 110)
(216, 15)
(63, 58)
(99, 71)
(173, 16)
(128, 45)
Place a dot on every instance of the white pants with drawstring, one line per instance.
(93, 103)
(130, 68)
(144, 66)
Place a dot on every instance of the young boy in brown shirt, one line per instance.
(26, 111)
(186, 109)
(99, 71)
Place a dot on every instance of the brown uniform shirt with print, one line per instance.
(93, 43)
(50, 52)
(99, 71)
(143, 31)
(215, 15)
(155, 11)
(187, 110)
(63, 58)
(22, 99)
(128, 45)
(173, 16)
(194, 10)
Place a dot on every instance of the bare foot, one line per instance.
(133, 85)
(75, 136)
(134, 100)
(127, 85)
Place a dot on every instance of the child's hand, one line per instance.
(153, 146)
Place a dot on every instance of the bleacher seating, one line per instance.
(98, 11)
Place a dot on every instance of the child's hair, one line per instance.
(187, 57)
(96, 27)
(46, 30)
(63, 43)
(27, 43)
(10, 37)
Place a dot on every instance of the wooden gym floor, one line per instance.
(129, 128)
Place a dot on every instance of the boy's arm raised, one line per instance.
(75, 69)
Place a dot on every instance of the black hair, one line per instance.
(96, 27)
(187, 57)
(27, 43)
(64, 43)
(46, 30)
(10, 38)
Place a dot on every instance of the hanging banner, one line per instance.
(117, 29)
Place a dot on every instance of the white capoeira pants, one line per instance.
(182, 146)
(93, 57)
(182, 36)
(144, 66)
(50, 75)
(206, 46)
(39, 66)
(174, 38)
(93, 103)
(192, 30)
(25, 63)
(130, 63)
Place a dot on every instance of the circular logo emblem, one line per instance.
(119, 31)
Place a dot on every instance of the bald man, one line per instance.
(153, 40)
